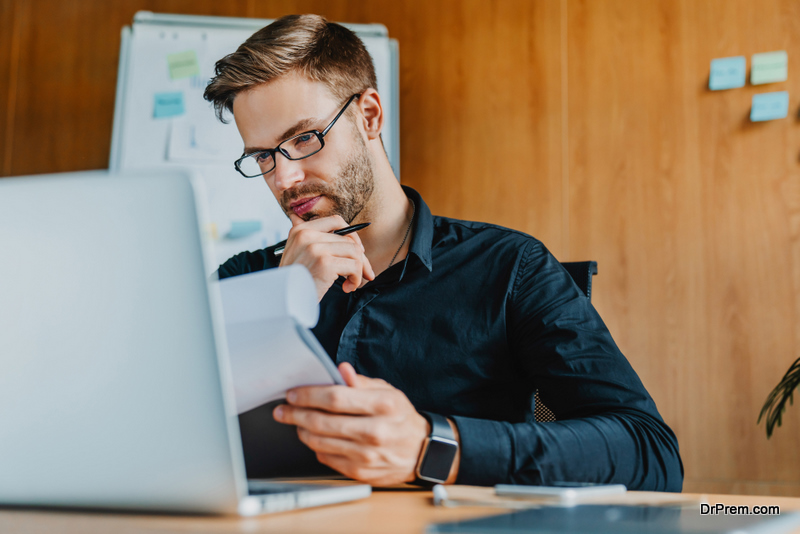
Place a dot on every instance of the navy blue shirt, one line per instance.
(470, 325)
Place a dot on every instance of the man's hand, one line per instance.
(368, 431)
(327, 256)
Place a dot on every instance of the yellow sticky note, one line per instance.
(183, 65)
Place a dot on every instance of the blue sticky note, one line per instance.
(243, 229)
(770, 106)
(727, 73)
(168, 105)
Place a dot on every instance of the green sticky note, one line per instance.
(183, 65)
(769, 67)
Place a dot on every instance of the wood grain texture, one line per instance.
(10, 19)
(480, 104)
(396, 511)
(740, 487)
(691, 212)
(67, 79)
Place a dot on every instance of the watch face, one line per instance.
(438, 460)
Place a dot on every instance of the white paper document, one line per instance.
(267, 317)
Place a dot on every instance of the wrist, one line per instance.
(457, 460)
(439, 458)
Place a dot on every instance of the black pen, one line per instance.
(278, 250)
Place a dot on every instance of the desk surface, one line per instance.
(386, 511)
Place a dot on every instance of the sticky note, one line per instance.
(183, 65)
(769, 67)
(769, 106)
(168, 105)
(243, 229)
(727, 73)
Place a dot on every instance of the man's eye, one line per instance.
(303, 139)
(262, 157)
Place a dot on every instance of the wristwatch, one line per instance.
(438, 451)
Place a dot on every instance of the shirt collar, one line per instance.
(422, 232)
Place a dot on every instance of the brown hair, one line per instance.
(320, 50)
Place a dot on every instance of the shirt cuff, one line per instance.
(486, 451)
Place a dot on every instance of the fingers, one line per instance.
(385, 475)
(308, 236)
(334, 245)
(345, 454)
(349, 374)
(380, 400)
(327, 256)
(369, 431)
(350, 268)
(355, 238)
(355, 380)
(343, 259)
(330, 445)
(368, 272)
(295, 219)
(341, 464)
(330, 256)
(352, 427)
(323, 224)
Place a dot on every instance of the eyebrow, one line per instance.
(301, 126)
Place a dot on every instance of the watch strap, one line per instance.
(440, 431)
(440, 426)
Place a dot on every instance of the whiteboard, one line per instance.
(244, 214)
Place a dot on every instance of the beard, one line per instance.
(349, 191)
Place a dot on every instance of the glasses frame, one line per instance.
(278, 150)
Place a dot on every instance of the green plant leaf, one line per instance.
(775, 404)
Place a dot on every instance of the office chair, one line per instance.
(581, 272)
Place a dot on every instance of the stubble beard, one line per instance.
(349, 193)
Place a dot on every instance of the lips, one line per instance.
(304, 205)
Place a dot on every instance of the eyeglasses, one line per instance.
(300, 146)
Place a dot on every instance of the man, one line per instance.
(443, 329)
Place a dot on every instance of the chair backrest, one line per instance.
(581, 272)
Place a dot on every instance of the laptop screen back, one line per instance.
(110, 391)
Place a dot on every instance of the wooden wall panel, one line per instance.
(478, 130)
(9, 44)
(480, 104)
(67, 78)
(750, 176)
(691, 211)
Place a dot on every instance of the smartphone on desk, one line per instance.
(564, 491)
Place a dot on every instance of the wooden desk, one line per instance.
(386, 511)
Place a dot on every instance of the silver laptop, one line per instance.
(115, 390)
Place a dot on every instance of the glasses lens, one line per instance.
(257, 164)
(301, 146)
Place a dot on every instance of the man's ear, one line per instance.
(371, 113)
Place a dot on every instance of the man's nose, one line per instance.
(287, 173)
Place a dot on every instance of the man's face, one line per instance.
(339, 179)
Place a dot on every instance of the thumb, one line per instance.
(295, 219)
(349, 374)
(355, 380)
